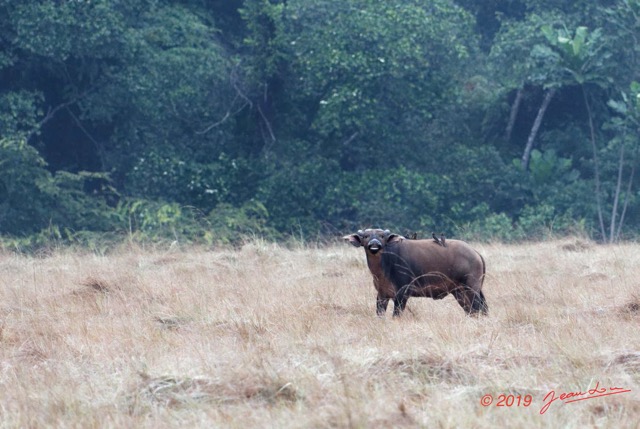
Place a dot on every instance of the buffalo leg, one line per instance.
(399, 302)
(463, 299)
(479, 303)
(381, 305)
(471, 301)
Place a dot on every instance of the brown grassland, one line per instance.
(286, 337)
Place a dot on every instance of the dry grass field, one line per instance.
(274, 337)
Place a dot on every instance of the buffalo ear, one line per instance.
(354, 239)
(392, 238)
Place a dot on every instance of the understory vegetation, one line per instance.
(213, 121)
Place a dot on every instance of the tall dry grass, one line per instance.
(272, 337)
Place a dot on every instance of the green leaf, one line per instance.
(579, 40)
(618, 106)
(548, 33)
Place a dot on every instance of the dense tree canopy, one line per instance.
(214, 120)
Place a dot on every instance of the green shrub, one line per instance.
(32, 199)
(229, 224)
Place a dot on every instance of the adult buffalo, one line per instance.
(402, 268)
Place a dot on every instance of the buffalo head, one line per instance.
(373, 240)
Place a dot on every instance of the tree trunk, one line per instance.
(596, 168)
(515, 107)
(628, 192)
(536, 126)
(616, 197)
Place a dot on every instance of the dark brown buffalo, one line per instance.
(402, 268)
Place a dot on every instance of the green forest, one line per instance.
(212, 121)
